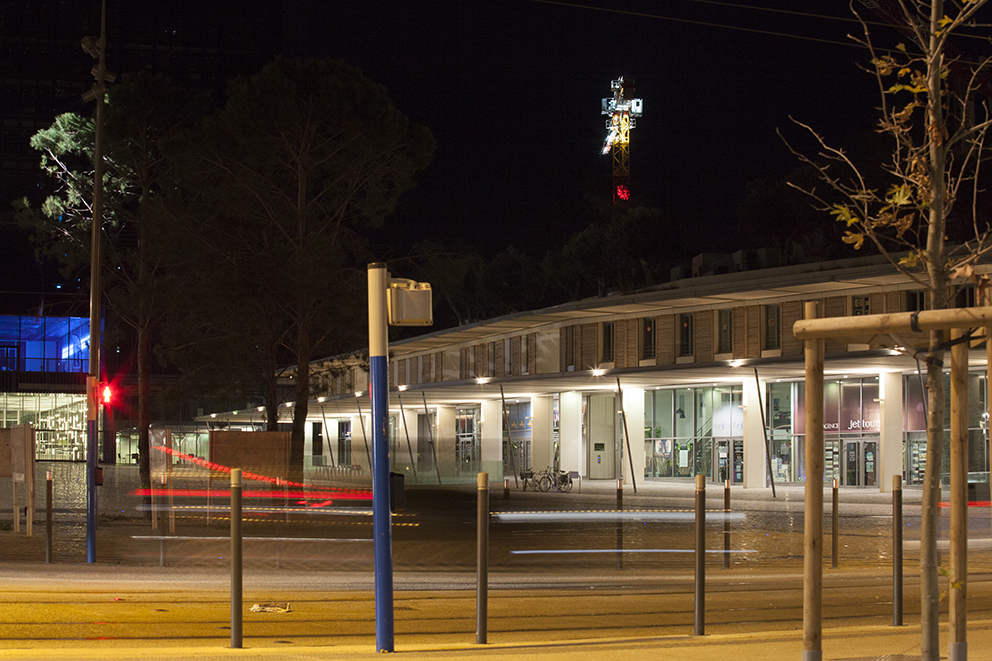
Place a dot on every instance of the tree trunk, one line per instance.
(296, 454)
(936, 264)
(271, 389)
(144, 401)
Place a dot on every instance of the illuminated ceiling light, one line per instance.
(482, 380)
(321, 399)
(736, 363)
(261, 408)
(598, 372)
(358, 393)
(213, 415)
(402, 388)
(288, 404)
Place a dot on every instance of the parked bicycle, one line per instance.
(558, 481)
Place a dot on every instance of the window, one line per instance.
(685, 335)
(647, 338)
(965, 297)
(725, 331)
(772, 337)
(860, 305)
(570, 349)
(606, 355)
(915, 301)
(525, 354)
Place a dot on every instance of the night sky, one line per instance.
(511, 90)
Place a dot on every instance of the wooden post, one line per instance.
(957, 613)
(813, 532)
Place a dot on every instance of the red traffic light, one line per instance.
(106, 394)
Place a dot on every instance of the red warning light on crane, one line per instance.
(623, 193)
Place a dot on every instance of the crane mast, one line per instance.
(622, 110)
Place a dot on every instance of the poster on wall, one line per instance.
(5, 456)
(263, 452)
(22, 453)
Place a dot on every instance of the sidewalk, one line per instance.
(841, 644)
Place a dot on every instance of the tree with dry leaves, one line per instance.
(934, 112)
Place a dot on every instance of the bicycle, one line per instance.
(558, 481)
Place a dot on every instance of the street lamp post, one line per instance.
(97, 49)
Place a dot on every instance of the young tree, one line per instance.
(144, 115)
(933, 112)
(304, 155)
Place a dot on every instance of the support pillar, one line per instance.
(542, 431)
(755, 473)
(890, 450)
(573, 454)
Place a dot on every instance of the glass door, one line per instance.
(852, 463)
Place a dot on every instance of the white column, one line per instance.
(633, 406)
(358, 442)
(445, 439)
(890, 459)
(492, 437)
(542, 431)
(570, 432)
(755, 462)
(406, 430)
(330, 438)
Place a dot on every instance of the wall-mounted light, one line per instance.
(598, 372)
(402, 388)
(482, 380)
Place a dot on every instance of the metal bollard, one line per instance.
(506, 488)
(700, 555)
(726, 524)
(619, 524)
(236, 574)
(835, 536)
(482, 559)
(897, 550)
(48, 516)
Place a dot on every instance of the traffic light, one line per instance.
(106, 394)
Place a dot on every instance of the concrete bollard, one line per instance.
(482, 559)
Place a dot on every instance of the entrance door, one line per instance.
(601, 414)
(860, 459)
(722, 460)
(683, 458)
(870, 463)
(852, 463)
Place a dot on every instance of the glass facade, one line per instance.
(694, 430)
(44, 344)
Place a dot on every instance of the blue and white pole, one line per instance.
(379, 394)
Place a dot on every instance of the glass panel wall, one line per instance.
(690, 431)
(59, 420)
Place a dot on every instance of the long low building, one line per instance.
(700, 375)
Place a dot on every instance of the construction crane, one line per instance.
(622, 110)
